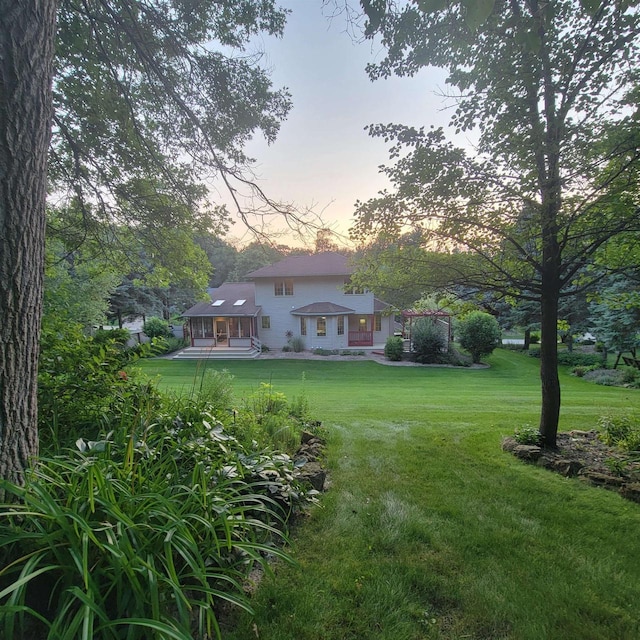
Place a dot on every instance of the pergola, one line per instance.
(437, 316)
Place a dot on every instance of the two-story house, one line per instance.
(306, 296)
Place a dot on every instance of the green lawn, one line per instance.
(429, 530)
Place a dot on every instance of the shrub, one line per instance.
(157, 328)
(83, 385)
(527, 435)
(114, 336)
(575, 359)
(325, 352)
(605, 377)
(534, 338)
(630, 377)
(621, 431)
(266, 418)
(394, 348)
(581, 370)
(140, 534)
(428, 342)
(297, 344)
(479, 334)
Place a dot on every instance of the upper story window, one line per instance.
(351, 289)
(283, 287)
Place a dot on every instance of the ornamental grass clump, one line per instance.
(429, 343)
(268, 417)
(142, 533)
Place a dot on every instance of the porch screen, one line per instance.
(240, 328)
(202, 327)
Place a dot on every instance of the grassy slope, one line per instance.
(430, 530)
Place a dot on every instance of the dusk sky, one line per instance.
(323, 158)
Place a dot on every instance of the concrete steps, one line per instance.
(216, 353)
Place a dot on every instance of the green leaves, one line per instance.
(152, 98)
(142, 532)
(477, 12)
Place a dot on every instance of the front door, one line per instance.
(221, 332)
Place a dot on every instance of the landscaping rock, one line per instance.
(568, 468)
(307, 460)
(603, 479)
(582, 453)
(314, 474)
(631, 491)
(528, 452)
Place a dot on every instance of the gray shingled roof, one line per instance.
(322, 309)
(230, 294)
(328, 263)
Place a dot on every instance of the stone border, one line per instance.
(589, 467)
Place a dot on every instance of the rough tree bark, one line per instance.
(27, 30)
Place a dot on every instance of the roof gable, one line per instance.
(329, 263)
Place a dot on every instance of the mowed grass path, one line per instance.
(429, 530)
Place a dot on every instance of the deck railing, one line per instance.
(360, 338)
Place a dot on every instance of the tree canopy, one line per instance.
(135, 104)
(548, 91)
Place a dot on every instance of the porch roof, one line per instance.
(322, 309)
(232, 299)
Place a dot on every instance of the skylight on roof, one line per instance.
(218, 303)
(239, 303)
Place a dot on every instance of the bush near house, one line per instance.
(429, 345)
(479, 334)
(157, 328)
(394, 348)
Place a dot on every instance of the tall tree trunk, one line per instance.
(549, 302)
(27, 33)
(550, 414)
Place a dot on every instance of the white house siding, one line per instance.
(386, 330)
(309, 290)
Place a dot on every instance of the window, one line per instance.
(217, 303)
(303, 326)
(266, 322)
(377, 322)
(283, 287)
(239, 303)
(321, 326)
(351, 289)
(340, 325)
